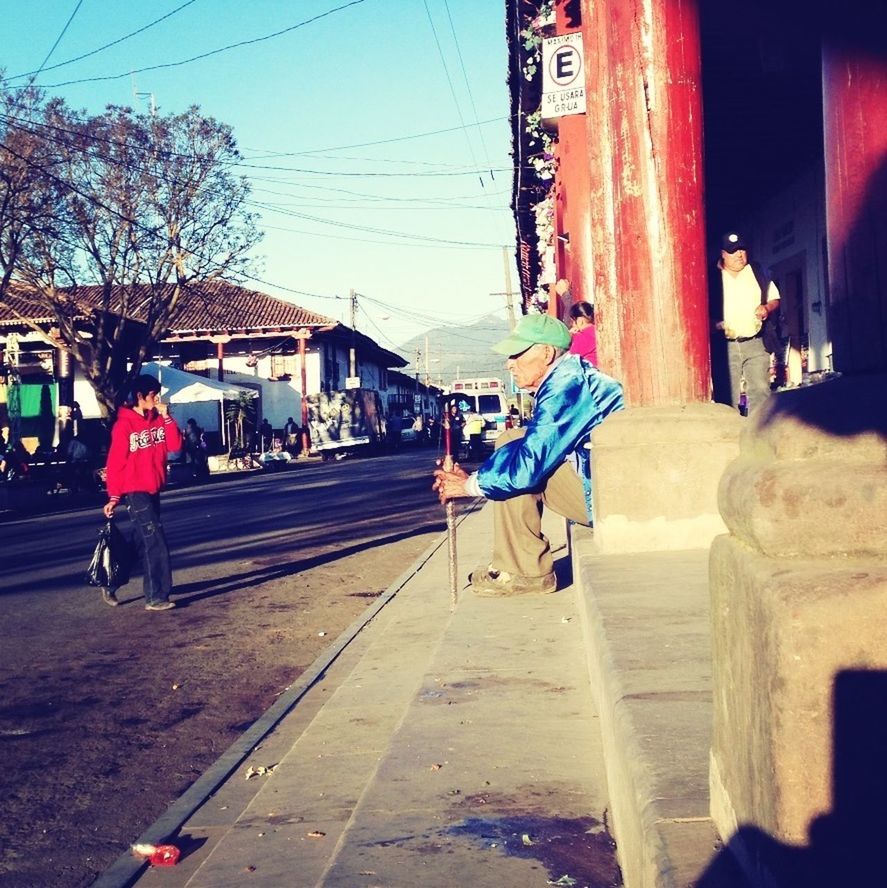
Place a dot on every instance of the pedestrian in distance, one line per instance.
(141, 439)
(474, 431)
(746, 300)
(78, 467)
(394, 430)
(195, 447)
(291, 436)
(544, 462)
(266, 433)
(457, 427)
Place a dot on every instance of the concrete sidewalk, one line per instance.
(464, 747)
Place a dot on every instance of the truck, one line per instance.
(345, 421)
(485, 396)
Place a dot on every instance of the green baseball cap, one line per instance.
(533, 329)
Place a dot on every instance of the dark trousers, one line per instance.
(144, 512)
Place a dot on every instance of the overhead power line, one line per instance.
(93, 52)
(370, 230)
(480, 133)
(204, 55)
(443, 62)
(58, 39)
(438, 132)
(400, 244)
(404, 238)
(147, 149)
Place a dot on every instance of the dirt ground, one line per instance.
(100, 734)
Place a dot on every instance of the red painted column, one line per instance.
(854, 78)
(645, 155)
(600, 265)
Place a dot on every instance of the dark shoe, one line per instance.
(160, 605)
(109, 596)
(491, 583)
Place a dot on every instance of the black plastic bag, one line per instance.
(109, 567)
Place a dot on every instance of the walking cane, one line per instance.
(448, 465)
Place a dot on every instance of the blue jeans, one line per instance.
(144, 512)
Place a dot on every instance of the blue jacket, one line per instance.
(573, 398)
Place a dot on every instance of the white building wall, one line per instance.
(280, 398)
(84, 395)
(262, 371)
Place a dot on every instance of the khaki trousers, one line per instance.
(519, 546)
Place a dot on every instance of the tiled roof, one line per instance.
(210, 307)
(18, 301)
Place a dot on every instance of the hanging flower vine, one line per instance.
(541, 143)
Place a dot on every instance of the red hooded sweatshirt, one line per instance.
(137, 456)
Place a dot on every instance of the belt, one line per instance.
(744, 338)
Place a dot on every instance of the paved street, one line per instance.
(108, 714)
(282, 519)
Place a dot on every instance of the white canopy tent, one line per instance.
(195, 397)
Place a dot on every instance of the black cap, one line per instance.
(733, 241)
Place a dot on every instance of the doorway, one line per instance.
(789, 276)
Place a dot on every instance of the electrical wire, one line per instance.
(404, 236)
(204, 55)
(57, 40)
(234, 163)
(361, 174)
(450, 129)
(371, 230)
(468, 88)
(93, 52)
(443, 62)
(382, 243)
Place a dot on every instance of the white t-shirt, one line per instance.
(742, 295)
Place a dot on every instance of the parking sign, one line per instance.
(563, 76)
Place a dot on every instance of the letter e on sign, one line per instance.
(566, 66)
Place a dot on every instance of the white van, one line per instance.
(485, 396)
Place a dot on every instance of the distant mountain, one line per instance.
(459, 352)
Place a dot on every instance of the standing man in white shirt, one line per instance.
(748, 299)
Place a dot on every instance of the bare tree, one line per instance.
(27, 198)
(147, 206)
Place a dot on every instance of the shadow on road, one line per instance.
(192, 592)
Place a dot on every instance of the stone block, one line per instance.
(782, 633)
(655, 474)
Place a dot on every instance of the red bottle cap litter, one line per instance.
(164, 855)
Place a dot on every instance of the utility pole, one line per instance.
(427, 378)
(352, 353)
(509, 301)
(508, 292)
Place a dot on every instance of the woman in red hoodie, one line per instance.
(140, 441)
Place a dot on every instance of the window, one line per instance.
(283, 365)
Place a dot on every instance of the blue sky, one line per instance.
(304, 104)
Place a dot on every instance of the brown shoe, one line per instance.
(491, 583)
(109, 596)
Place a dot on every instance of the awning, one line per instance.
(181, 387)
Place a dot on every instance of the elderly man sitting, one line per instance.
(545, 462)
